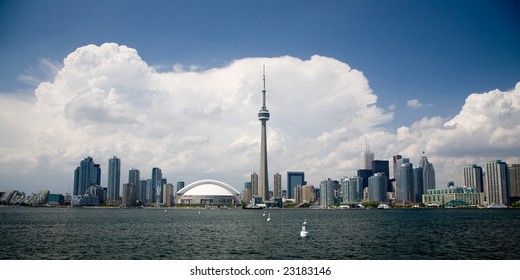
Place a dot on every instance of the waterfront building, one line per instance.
(455, 196)
(142, 190)
(168, 195)
(247, 194)
(277, 185)
(404, 184)
(514, 182)
(134, 176)
(86, 174)
(308, 194)
(180, 185)
(130, 194)
(377, 186)
(366, 158)
(294, 178)
(418, 184)
(114, 178)
(497, 183)
(263, 178)
(352, 190)
(208, 192)
(326, 193)
(55, 199)
(382, 166)
(150, 192)
(254, 183)
(428, 173)
(364, 174)
(298, 194)
(394, 161)
(474, 177)
(157, 185)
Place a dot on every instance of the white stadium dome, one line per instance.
(208, 192)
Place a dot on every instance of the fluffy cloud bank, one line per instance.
(107, 101)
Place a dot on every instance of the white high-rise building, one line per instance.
(496, 189)
(366, 158)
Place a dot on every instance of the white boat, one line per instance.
(496, 206)
(383, 206)
(304, 232)
(263, 214)
(268, 217)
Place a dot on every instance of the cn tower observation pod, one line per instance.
(208, 192)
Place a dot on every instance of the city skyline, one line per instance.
(406, 77)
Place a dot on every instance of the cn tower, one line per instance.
(263, 179)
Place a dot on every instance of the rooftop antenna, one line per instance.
(263, 91)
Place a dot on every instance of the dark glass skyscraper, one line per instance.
(294, 178)
(86, 174)
(382, 166)
(114, 178)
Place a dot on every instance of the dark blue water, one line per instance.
(142, 234)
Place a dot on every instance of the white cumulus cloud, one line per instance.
(197, 124)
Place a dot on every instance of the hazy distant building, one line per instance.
(364, 174)
(514, 182)
(248, 192)
(366, 158)
(114, 178)
(456, 196)
(298, 194)
(497, 183)
(404, 183)
(308, 194)
(168, 195)
(377, 186)
(130, 194)
(294, 178)
(150, 192)
(254, 183)
(142, 187)
(395, 164)
(277, 185)
(326, 192)
(134, 176)
(474, 177)
(428, 173)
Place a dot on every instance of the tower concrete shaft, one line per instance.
(263, 178)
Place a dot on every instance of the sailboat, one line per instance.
(268, 217)
(263, 214)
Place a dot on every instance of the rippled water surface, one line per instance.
(97, 233)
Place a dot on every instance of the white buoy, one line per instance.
(268, 217)
(304, 232)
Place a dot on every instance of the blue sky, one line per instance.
(437, 52)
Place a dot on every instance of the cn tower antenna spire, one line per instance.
(263, 93)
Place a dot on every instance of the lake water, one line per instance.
(227, 234)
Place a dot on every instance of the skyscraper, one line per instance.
(514, 182)
(497, 183)
(418, 184)
(254, 184)
(156, 185)
(404, 183)
(326, 192)
(428, 173)
(134, 176)
(263, 179)
(352, 190)
(377, 187)
(366, 158)
(382, 166)
(86, 175)
(473, 177)
(277, 185)
(395, 159)
(114, 178)
(294, 178)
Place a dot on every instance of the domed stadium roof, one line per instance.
(208, 188)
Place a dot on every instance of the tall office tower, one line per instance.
(142, 190)
(294, 178)
(428, 173)
(377, 187)
(134, 176)
(394, 161)
(277, 185)
(418, 184)
(497, 183)
(364, 174)
(514, 182)
(298, 194)
(263, 179)
(150, 192)
(168, 195)
(130, 194)
(404, 183)
(473, 177)
(254, 184)
(114, 178)
(352, 190)
(180, 185)
(366, 158)
(156, 185)
(86, 175)
(326, 192)
(248, 192)
(382, 166)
